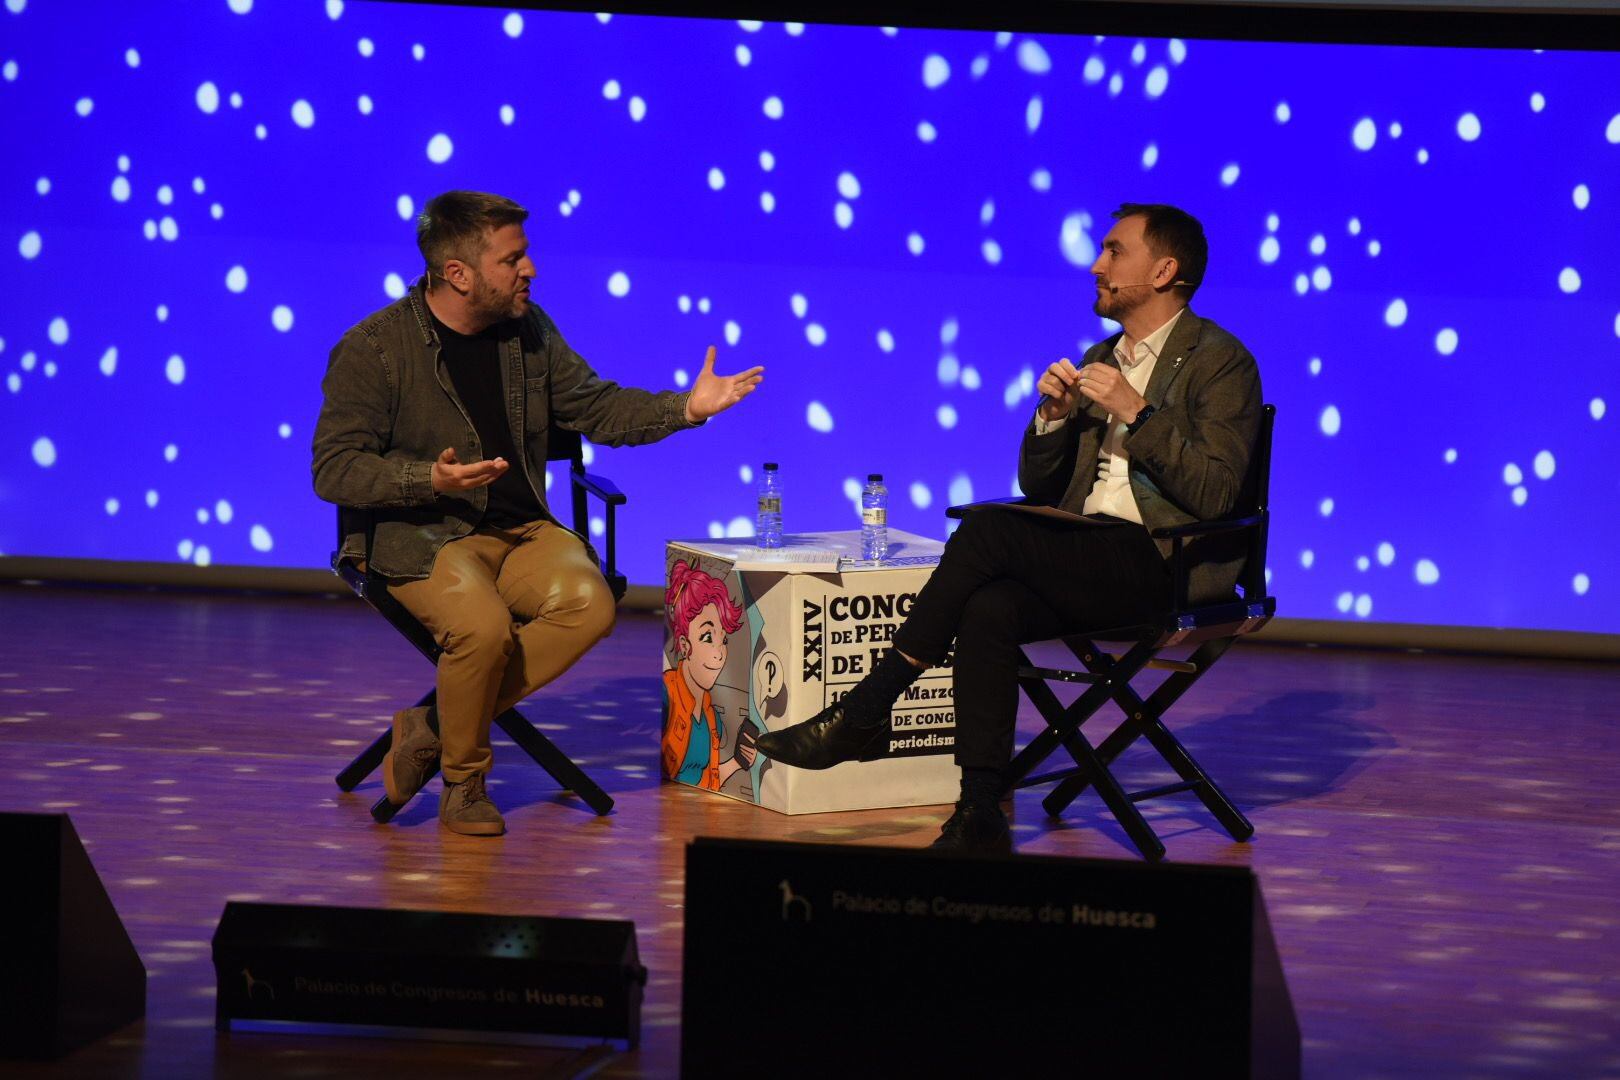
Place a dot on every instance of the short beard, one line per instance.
(487, 306)
(1114, 305)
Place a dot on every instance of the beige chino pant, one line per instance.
(512, 609)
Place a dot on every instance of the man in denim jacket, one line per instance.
(434, 428)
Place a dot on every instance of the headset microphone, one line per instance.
(1139, 284)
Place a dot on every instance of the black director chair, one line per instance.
(562, 446)
(1212, 628)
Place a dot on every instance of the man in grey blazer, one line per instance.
(1155, 427)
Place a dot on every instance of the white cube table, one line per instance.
(767, 638)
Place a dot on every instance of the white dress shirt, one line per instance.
(1111, 494)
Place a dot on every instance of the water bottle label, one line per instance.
(874, 515)
(770, 504)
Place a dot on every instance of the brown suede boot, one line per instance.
(465, 808)
(412, 757)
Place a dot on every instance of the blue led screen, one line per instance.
(1417, 244)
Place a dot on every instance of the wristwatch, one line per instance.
(1141, 418)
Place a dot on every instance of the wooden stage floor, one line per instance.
(1438, 838)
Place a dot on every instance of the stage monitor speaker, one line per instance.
(822, 960)
(71, 974)
(306, 964)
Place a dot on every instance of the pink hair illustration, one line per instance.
(690, 591)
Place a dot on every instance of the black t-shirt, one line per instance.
(474, 363)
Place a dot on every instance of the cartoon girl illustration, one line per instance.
(702, 617)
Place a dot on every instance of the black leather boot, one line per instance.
(822, 741)
(844, 732)
(978, 827)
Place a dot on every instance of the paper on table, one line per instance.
(796, 555)
(888, 562)
(819, 560)
(817, 553)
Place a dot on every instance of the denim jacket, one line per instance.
(390, 409)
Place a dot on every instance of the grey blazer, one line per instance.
(1188, 461)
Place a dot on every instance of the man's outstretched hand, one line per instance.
(451, 475)
(713, 394)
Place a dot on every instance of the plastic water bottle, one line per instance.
(768, 522)
(874, 518)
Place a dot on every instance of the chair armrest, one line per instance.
(958, 512)
(352, 571)
(582, 484)
(351, 575)
(1179, 534)
(1203, 528)
(600, 486)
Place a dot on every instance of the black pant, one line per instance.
(1008, 578)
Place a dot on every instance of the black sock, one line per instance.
(868, 702)
(980, 784)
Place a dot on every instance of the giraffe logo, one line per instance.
(791, 903)
(255, 985)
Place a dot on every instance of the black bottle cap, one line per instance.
(874, 478)
(771, 466)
